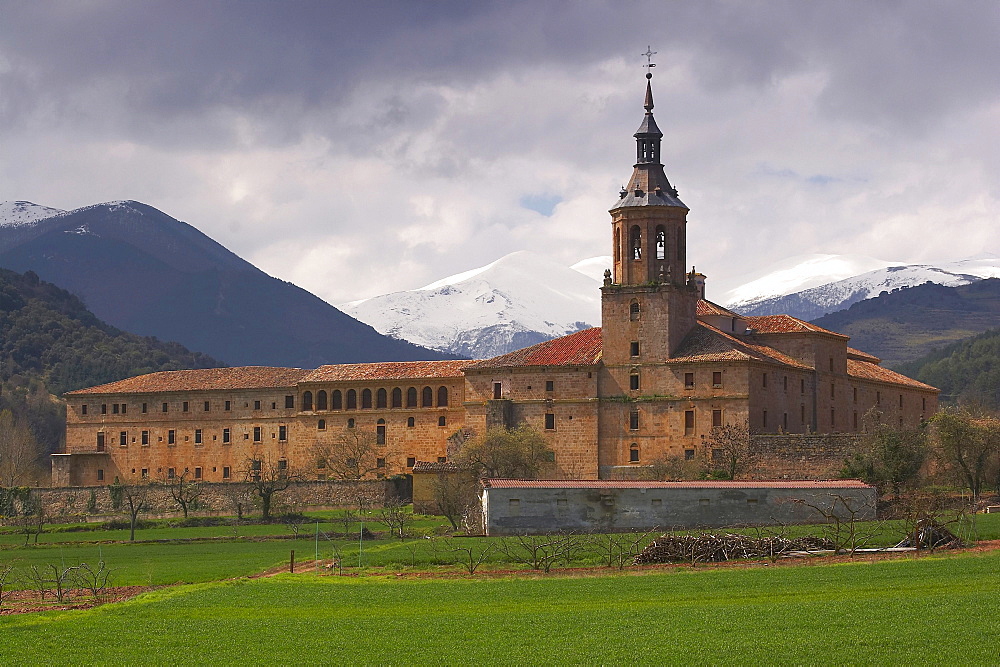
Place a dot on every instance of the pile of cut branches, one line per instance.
(930, 533)
(713, 548)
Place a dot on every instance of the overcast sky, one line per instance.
(356, 148)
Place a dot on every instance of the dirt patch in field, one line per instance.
(25, 602)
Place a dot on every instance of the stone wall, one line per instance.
(95, 502)
(798, 456)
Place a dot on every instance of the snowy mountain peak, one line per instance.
(22, 213)
(520, 299)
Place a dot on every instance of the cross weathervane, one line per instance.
(649, 58)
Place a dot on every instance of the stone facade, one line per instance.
(664, 369)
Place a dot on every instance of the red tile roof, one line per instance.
(706, 343)
(863, 356)
(627, 484)
(240, 377)
(865, 370)
(582, 348)
(776, 324)
(706, 307)
(387, 370)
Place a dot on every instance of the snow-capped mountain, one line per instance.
(20, 213)
(518, 300)
(817, 300)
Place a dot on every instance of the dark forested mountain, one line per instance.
(905, 324)
(145, 272)
(50, 343)
(966, 371)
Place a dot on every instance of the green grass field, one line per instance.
(930, 609)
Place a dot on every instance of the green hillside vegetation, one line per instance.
(966, 372)
(906, 324)
(50, 343)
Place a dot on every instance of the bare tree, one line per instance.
(395, 516)
(32, 517)
(354, 453)
(96, 580)
(18, 451)
(675, 468)
(184, 490)
(847, 522)
(472, 553)
(541, 552)
(5, 571)
(134, 496)
(267, 478)
(731, 447)
(620, 549)
(455, 492)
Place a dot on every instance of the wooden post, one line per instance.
(291, 562)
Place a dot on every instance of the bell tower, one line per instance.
(648, 300)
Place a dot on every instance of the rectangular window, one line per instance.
(104, 408)
(145, 473)
(633, 382)
(197, 436)
(124, 408)
(689, 380)
(123, 439)
(380, 434)
(900, 400)
(256, 405)
(100, 475)
(765, 379)
(833, 390)
(784, 382)
(716, 379)
(226, 436)
(171, 437)
(256, 433)
(633, 420)
(833, 417)
(784, 421)
(497, 393)
(290, 401)
(716, 417)
(226, 473)
(100, 441)
(83, 409)
(208, 406)
(197, 473)
(634, 348)
(688, 454)
(114, 408)
(763, 419)
(145, 408)
(854, 391)
(171, 473)
(163, 408)
(831, 364)
(802, 413)
(878, 398)
(282, 433)
(689, 422)
(229, 406)
(184, 406)
(550, 421)
(379, 462)
(145, 437)
(442, 459)
(802, 387)
(855, 420)
(550, 385)
(410, 461)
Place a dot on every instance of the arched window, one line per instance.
(635, 242)
(366, 399)
(442, 397)
(633, 453)
(381, 398)
(380, 432)
(321, 425)
(633, 311)
(350, 423)
(397, 398)
(661, 243)
(427, 398)
(410, 421)
(307, 400)
(352, 399)
(321, 400)
(411, 397)
(336, 400)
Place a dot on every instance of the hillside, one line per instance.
(906, 324)
(50, 343)
(142, 271)
(966, 371)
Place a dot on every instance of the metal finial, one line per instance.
(649, 61)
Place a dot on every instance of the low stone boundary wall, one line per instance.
(84, 503)
(801, 456)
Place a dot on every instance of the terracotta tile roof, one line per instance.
(582, 348)
(706, 343)
(388, 370)
(627, 484)
(706, 307)
(865, 370)
(862, 356)
(240, 377)
(771, 324)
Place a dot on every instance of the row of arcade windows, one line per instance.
(206, 406)
(338, 400)
(659, 243)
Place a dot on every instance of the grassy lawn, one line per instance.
(927, 609)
